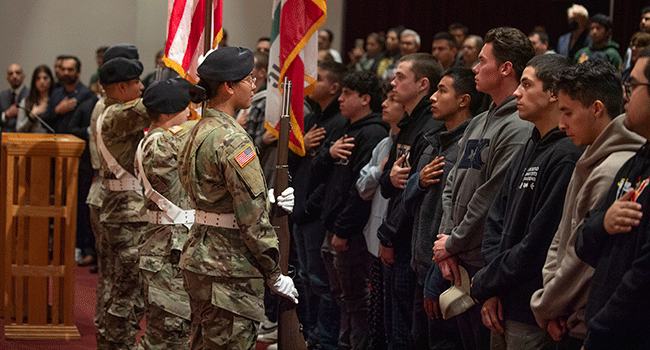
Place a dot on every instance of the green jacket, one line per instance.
(609, 53)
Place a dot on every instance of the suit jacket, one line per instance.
(9, 124)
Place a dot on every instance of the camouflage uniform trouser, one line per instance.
(167, 305)
(104, 273)
(125, 307)
(212, 326)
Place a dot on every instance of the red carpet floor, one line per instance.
(84, 311)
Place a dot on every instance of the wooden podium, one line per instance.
(38, 209)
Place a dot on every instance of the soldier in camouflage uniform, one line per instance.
(119, 129)
(94, 200)
(167, 305)
(232, 249)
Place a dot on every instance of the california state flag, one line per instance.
(294, 54)
(185, 34)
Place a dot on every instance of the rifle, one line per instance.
(289, 328)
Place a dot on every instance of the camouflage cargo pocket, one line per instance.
(245, 299)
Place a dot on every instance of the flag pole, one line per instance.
(207, 30)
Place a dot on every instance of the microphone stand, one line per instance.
(47, 126)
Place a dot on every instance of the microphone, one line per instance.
(47, 126)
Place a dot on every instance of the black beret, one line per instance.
(229, 63)
(122, 50)
(119, 69)
(167, 96)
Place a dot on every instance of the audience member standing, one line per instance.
(615, 237)
(35, 104)
(416, 78)
(525, 213)
(579, 36)
(454, 103)
(323, 319)
(325, 37)
(368, 187)
(66, 98)
(589, 96)
(444, 49)
(345, 213)
(490, 143)
(601, 47)
(10, 98)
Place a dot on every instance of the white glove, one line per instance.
(283, 285)
(285, 200)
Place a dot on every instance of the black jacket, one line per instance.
(344, 212)
(300, 167)
(396, 231)
(425, 204)
(618, 306)
(522, 221)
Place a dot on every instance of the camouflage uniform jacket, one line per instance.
(216, 182)
(160, 167)
(122, 130)
(97, 189)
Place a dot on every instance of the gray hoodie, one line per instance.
(490, 142)
(567, 278)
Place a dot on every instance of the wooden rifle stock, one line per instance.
(289, 328)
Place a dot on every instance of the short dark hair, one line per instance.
(548, 67)
(463, 82)
(460, 26)
(603, 20)
(424, 65)
(335, 70)
(76, 61)
(451, 41)
(264, 38)
(645, 10)
(590, 81)
(101, 49)
(511, 45)
(543, 37)
(366, 83)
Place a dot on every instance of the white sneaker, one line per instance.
(267, 326)
(272, 347)
(270, 337)
(77, 254)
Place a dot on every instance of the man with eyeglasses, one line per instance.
(589, 96)
(615, 238)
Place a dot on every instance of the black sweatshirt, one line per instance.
(522, 222)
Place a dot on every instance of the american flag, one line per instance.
(185, 29)
(244, 157)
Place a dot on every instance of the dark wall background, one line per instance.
(427, 17)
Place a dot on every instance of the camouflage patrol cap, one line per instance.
(168, 96)
(227, 64)
(119, 69)
(122, 50)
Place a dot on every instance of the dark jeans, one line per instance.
(348, 273)
(85, 235)
(474, 334)
(399, 284)
(428, 333)
(322, 319)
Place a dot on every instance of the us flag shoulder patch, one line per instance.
(175, 129)
(244, 157)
